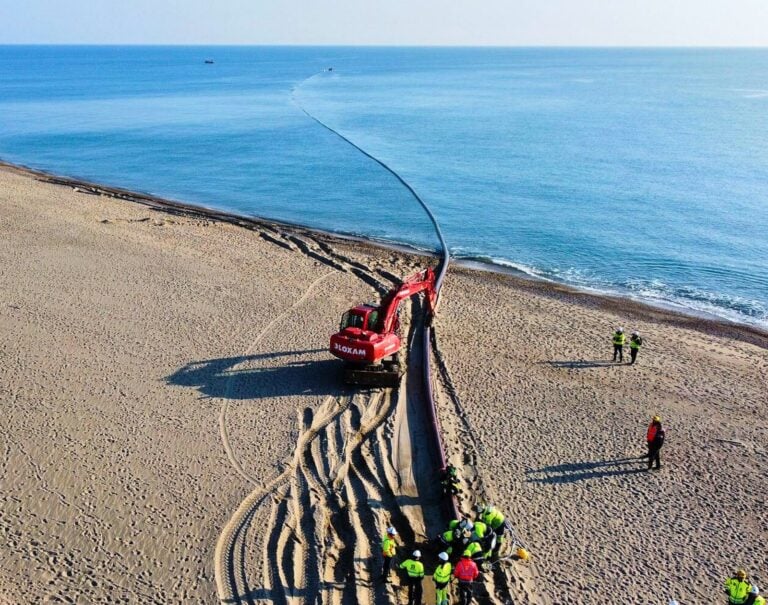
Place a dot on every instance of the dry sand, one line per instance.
(174, 430)
(558, 428)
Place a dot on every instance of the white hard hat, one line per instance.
(417, 554)
(619, 329)
(635, 333)
(754, 589)
(470, 526)
(391, 531)
(443, 556)
(673, 602)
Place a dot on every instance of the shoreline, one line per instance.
(631, 307)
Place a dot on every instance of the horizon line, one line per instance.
(307, 45)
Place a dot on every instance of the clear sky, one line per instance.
(388, 22)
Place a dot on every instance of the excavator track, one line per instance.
(388, 374)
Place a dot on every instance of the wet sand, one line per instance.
(167, 395)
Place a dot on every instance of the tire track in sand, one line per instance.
(231, 548)
(325, 512)
(330, 557)
(228, 388)
(318, 519)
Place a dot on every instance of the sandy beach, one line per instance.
(174, 430)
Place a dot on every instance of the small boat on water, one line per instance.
(209, 61)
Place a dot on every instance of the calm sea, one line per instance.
(638, 172)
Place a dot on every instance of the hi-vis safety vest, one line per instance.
(479, 531)
(451, 535)
(760, 600)
(388, 546)
(442, 573)
(454, 524)
(473, 548)
(415, 569)
(619, 338)
(738, 590)
(635, 342)
(493, 518)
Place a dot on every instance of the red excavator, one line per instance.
(367, 339)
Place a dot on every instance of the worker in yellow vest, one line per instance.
(475, 552)
(388, 552)
(442, 578)
(415, 569)
(449, 481)
(737, 588)
(618, 344)
(494, 519)
(479, 531)
(483, 535)
(491, 516)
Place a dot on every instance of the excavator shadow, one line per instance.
(257, 377)
(579, 471)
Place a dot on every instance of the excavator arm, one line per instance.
(423, 281)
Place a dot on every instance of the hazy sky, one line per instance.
(400, 22)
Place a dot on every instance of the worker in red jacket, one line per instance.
(655, 439)
(466, 573)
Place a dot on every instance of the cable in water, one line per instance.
(445, 253)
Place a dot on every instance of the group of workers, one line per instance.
(465, 572)
(481, 538)
(463, 546)
(620, 339)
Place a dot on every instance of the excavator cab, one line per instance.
(363, 317)
(370, 355)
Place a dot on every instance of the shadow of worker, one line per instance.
(580, 471)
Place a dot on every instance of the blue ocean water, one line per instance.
(637, 172)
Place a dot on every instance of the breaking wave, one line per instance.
(686, 298)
